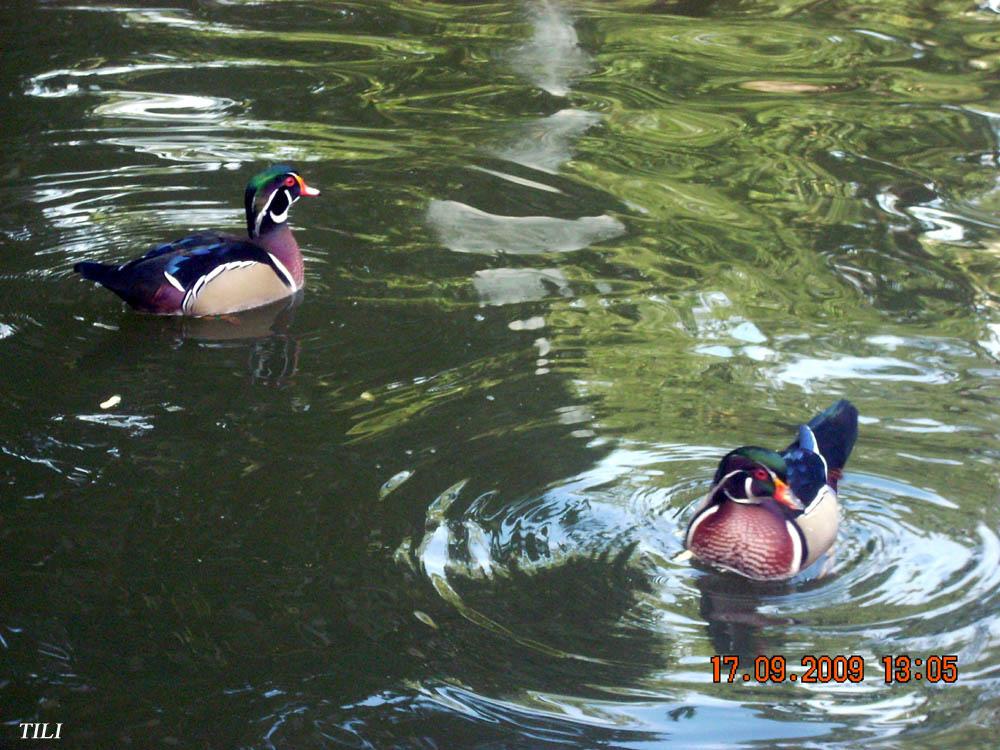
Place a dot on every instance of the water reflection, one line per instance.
(273, 352)
(465, 229)
(548, 143)
(149, 106)
(509, 286)
(553, 58)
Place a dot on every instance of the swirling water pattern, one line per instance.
(566, 256)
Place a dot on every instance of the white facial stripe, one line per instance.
(263, 213)
(721, 484)
(722, 481)
(750, 499)
(276, 218)
(280, 218)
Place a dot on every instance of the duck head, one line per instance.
(269, 197)
(752, 476)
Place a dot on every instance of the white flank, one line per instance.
(284, 272)
(824, 494)
(697, 522)
(796, 547)
(199, 285)
(173, 281)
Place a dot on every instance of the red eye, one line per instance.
(760, 475)
(289, 181)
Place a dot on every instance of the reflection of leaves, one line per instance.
(397, 403)
(572, 611)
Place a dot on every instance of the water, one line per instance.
(565, 257)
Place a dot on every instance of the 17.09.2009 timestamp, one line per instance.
(824, 669)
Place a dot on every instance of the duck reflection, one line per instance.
(730, 605)
(272, 351)
(258, 323)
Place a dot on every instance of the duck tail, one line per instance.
(120, 281)
(836, 431)
(99, 272)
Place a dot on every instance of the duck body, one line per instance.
(770, 515)
(211, 273)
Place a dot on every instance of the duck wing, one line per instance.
(166, 275)
(831, 434)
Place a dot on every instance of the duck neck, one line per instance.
(280, 242)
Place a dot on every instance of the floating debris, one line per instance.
(393, 482)
(784, 87)
(425, 618)
(111, 402)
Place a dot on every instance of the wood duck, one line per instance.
(770, 515)
(212, 273)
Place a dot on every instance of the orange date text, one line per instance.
(839, 669)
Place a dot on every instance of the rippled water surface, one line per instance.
(566, 256)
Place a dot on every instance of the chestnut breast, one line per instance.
(755, 540)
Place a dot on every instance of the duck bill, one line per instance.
(305, 189)
(784, 495)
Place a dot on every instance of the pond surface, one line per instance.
(566, 256)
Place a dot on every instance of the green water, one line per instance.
(566, 256)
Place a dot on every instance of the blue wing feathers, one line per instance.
(191, 265)
(806, 473)
(832, 433)
(807, 439)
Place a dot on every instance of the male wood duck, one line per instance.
(770, 515)
(212, 273)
